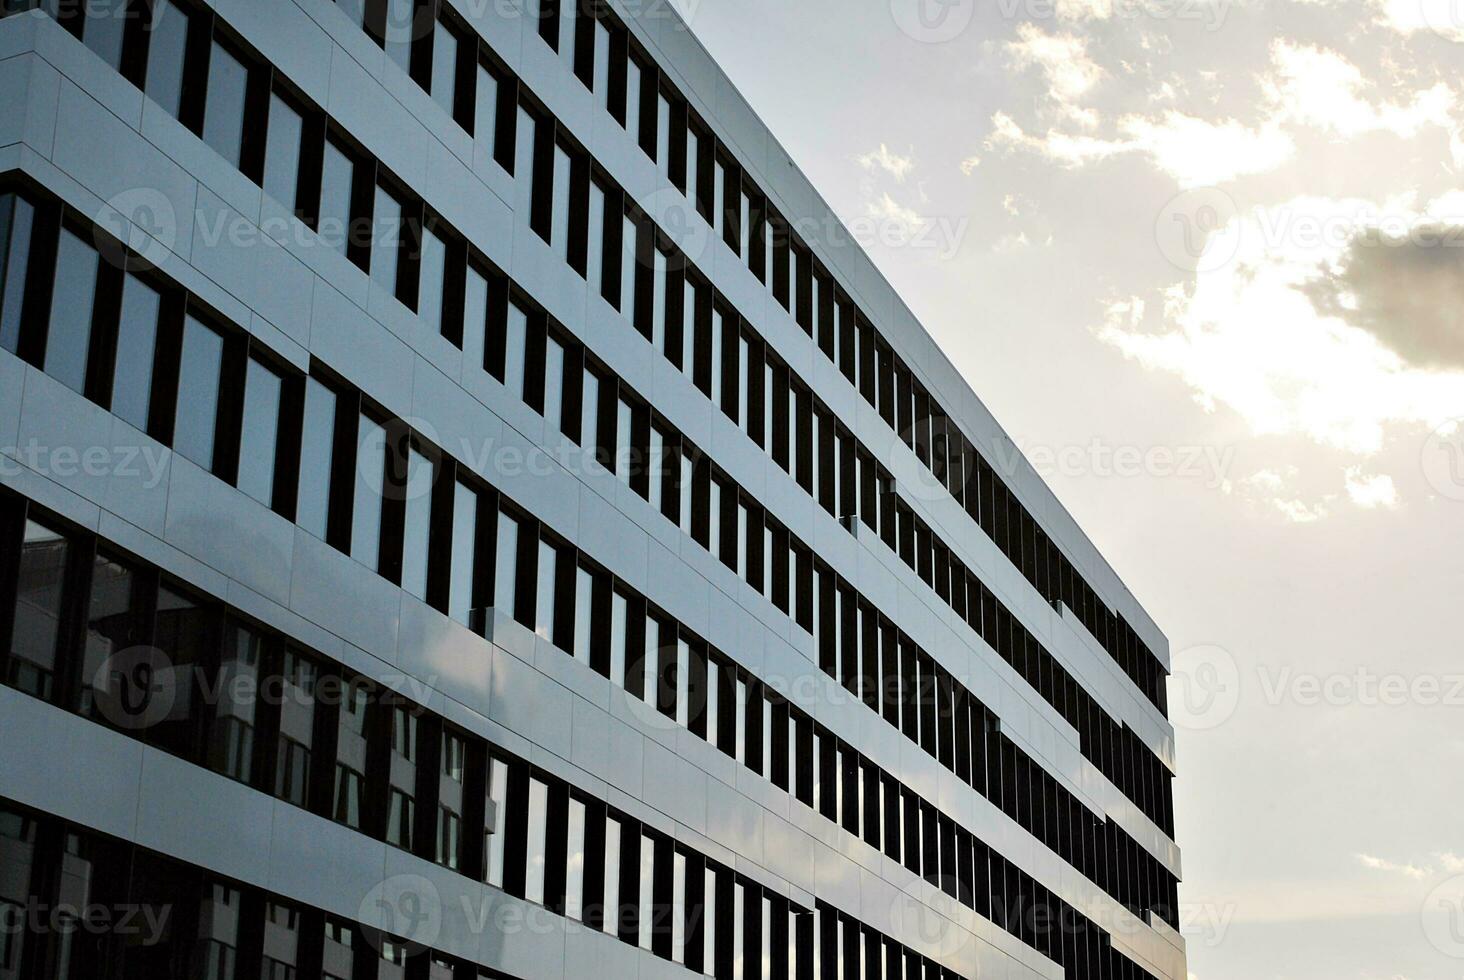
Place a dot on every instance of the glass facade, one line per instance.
(380, 474)
(282, 156)
(260, 433)
(223, 120)
(137, 333)
(199, 374)
(166, 53)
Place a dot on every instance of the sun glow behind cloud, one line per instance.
(1245, 333)
(1306, 87)
(1195, 152)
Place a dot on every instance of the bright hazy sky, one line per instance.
(1204, 261)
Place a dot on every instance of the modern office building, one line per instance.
(468, 510)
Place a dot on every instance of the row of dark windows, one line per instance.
(646, 102)
(80, 905)
(501, 556)
(257, 124)
(133, 648)
(367, 214)
(389, 233)
(363, 211)
(75, 904)
(375, 490)
(581, 213)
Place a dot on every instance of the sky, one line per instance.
(1204, 260)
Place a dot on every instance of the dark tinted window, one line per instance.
(316, 453)
(166, 47)
(386, 237)
(185, 640)
(223, 120)
(37, 611)
(399, 18)
(260, 432)
(282, 155)
(297, 729)
(231, 737)
(444, 66)
(111, 623)
(136, 340)
(105, 24)
(16, 218)
(198, 392)
(338, 174)
(69, 337)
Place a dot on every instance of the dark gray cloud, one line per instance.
(1407, 292)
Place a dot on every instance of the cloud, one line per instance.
(1062, 148)
(1307, 86)
(1011, 243)
(1406, 288)
(1407, 870)
(1453, 863)
(1371, 491)
(1270, 489)
(893, 164)
(1084, 9)
(1246, 333)
(886, 208)
(1299, 512)
(969, 165)
(1265, 480)
(1064, 62)
(1408, 17)
(1195, 152)
(1320, 88)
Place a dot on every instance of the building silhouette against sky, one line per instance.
(470, 510)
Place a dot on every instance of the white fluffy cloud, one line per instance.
(898, 167)
(1320, 88)
(1442, 17)
(1453, 863)
(1406, 870)
(1307, 87)
(1371, 491)
(1195, 152)
(1246, 334)
(886, 209)
(1068, 70)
